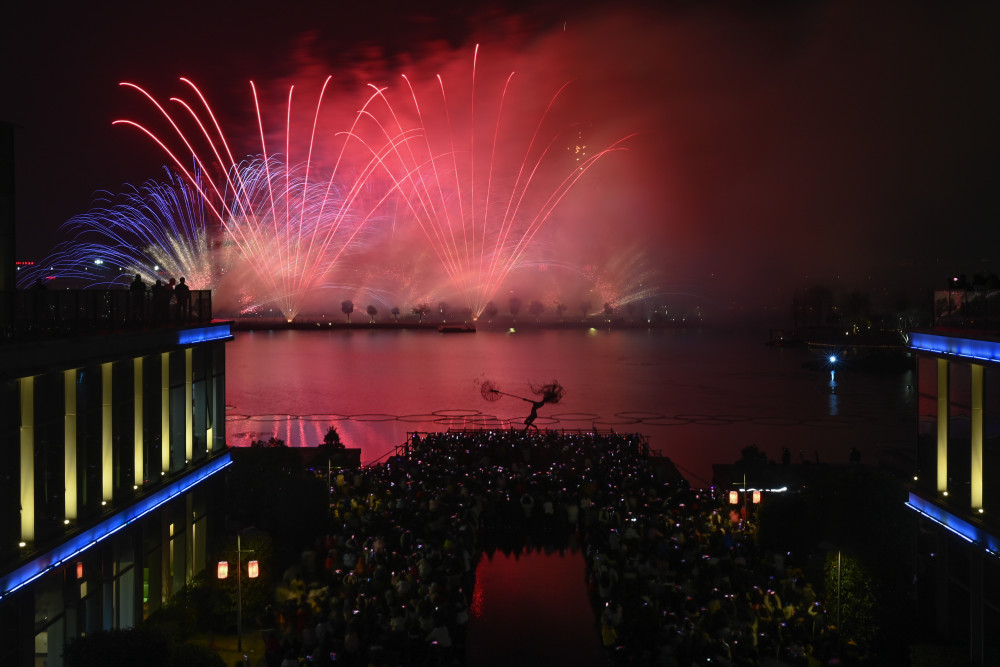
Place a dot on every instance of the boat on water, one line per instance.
(457, 328)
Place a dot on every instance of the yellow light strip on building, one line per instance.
(188, 405)
(69, 444)
(165, 412)
(138, 426)
(976, 453)
(107, 457)
(27, 459)
(942, 425)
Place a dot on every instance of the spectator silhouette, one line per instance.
(138, 289)
(169, 291)
(161, 301)
(183, 295)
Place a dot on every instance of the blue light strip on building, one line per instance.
(967, 531)
(981, 350)
(82, 541)
(205, 334)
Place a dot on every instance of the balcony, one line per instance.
(45, 314)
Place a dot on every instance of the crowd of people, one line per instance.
(675, 577)
(163, 302)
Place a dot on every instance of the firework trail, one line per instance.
(480, 195)
(291, 221)
(626, 276)
(159, 230)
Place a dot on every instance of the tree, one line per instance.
(871, 531)
(332, 439)
(851, 599)
(347, 307)
(421, 310)
(330, 452)
(536, 308)
(258, 545)
(585, 309)
(608, 309)
(443, 308)
(395, 313)
(372, 312)
(515, 307)
(560, 310)
(490, 311)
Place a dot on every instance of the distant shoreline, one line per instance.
(267, 323)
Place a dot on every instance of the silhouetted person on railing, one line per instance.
(40, 303)
(138, 300)
(169, 289)
(183, 295)
(161, 302)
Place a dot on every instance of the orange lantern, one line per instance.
(79, 569)
(253, 570)
(734, 497)
(756, 497)
(223, 570)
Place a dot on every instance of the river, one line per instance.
(700, 396)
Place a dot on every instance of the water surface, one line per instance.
(701, 397)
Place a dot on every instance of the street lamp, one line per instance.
(749, 495)
(253, 570)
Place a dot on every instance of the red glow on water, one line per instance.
(542, 599)
(476, 606)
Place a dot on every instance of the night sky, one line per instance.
(778, 144)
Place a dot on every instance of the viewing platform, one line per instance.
(35, 314)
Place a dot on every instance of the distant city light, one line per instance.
(833, 358)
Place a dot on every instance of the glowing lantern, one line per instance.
(756, 497)
(734, 497)
(79, 569)
(252, 569)
(223, 571)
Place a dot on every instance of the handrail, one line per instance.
(44, 313)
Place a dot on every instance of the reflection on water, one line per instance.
(700, 397)
(834, 402)
(540, 599)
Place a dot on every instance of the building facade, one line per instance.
(114, 436)
(956, 489)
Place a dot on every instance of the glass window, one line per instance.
(960, 384)
(49, 455)
(927, 375)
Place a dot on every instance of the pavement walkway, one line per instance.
(225, 647)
